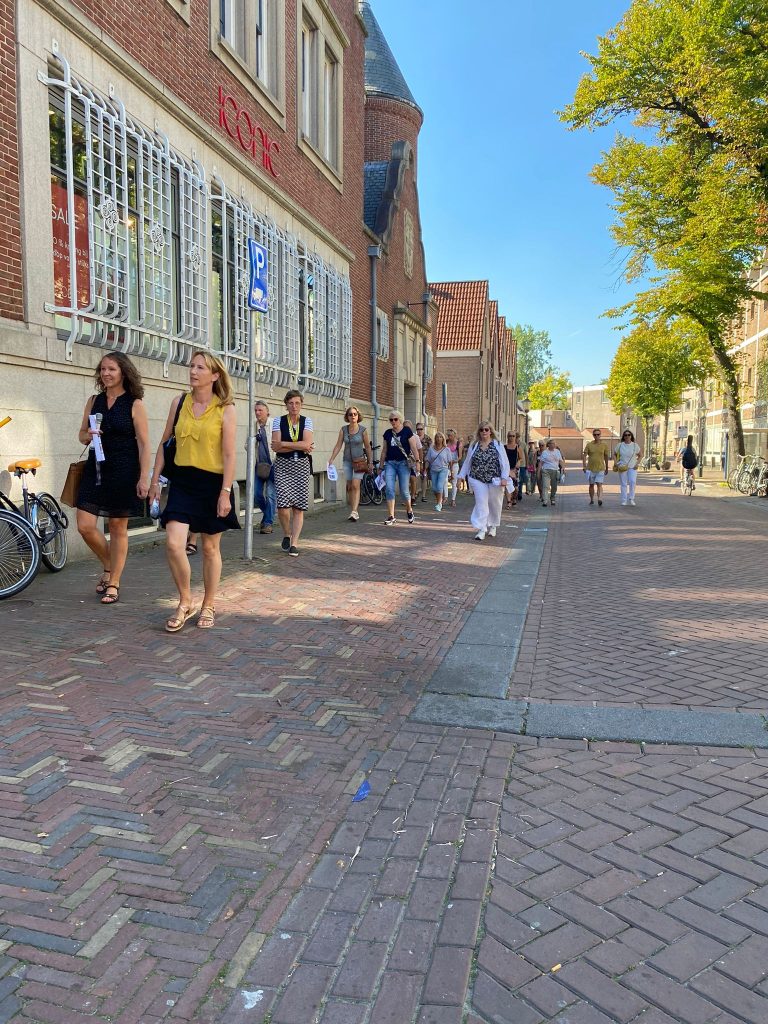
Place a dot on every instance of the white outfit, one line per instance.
(489, 498)
(627, 455)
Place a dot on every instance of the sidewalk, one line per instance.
(180, 842)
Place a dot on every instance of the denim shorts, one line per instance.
(350, 474)
(439, 476)
(401, 472)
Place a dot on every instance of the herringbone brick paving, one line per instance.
(177, 840)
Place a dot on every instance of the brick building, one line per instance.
(590, 407)
(155, 138)
(475, 358)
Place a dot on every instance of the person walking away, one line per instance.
(539, 480)
(454, 447)
(594, 461)
(530, 458)
(552, 465)
(626, 460)
(398, 448)
(424, 478)
(117, 487)
(438, 461)
(487, 471)
(413, 484)
(200, 492)
(513, 456)
(293, 442)
(358, 457)
(522, 468)
(689, 460)
(264, 489)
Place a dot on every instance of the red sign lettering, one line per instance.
(239, 126)
(61, 253)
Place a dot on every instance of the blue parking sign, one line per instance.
(258, 293)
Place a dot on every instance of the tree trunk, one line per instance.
(730, 378)
(648, 422)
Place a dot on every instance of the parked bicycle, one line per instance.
(369, 492)
(749, 475)
(47, 521)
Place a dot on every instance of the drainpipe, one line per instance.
(425, 299)
(374, 253)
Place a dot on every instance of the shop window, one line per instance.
(248, 36)
(321, 46)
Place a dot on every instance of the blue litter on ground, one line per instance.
(362, 793)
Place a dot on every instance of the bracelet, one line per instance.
(227, 489)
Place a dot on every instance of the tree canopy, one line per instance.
(551, 392)
(691, 189)
(534, 356)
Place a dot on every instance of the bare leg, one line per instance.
(211, 544)
(118, 549)
(391, 508)
(296, 526)
(175, 543)
(349, 494)
(284, 515)
(87, 527)
(353, 490)
(591, 492)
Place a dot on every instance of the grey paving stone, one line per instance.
(502, 629)
(470, 712)
(479, 670)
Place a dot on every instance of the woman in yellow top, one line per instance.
(200, 495)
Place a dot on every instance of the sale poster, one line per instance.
(61, 254)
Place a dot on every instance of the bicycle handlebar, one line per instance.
(6, 420)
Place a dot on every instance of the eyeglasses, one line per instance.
(394, 419)
(485, 430)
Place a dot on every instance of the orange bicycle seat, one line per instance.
(24, 465)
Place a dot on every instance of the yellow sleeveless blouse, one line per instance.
(198, 441)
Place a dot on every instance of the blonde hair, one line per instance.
(441, 435)
(222, 388)
(485, 423)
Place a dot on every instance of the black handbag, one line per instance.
(169, 446)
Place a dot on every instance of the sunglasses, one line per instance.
(394, 419)
(485, 430)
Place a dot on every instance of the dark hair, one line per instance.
(689, 442)
(293, 393)
(352, 408)
(131, 376)
(628, 431)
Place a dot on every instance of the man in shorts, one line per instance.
(595, 462)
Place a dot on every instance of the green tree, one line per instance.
(552, 391)
(654, 363)
(534, 356)
(690, 203)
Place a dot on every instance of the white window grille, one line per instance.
(382, 345)
(430, 364)
(131, 265)
(150, 258)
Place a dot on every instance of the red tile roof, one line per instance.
(544, 432)
(463, 314)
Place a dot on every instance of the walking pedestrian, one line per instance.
(264, 484)
(203, 424)
(539, 478)
(293, 441)
(551, 466)
(514, 455)
(117, 487)
(358, 457)
(486, 468)
(413, 483)
(530, 459)
(438, 461)
(454, 446)
(595, 464)
(626, 459)
(425, 440)
(399, 452)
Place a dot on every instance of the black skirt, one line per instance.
(193, 498)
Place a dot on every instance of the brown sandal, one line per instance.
(101, 586)
(207, 618)
(179, 619)
(111, 598)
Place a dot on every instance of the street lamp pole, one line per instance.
(526, 405)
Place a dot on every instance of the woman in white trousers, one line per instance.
(627, 457)
(486, 467)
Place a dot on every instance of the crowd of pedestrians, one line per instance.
(196, 455)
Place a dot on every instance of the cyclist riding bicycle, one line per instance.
(689, 461)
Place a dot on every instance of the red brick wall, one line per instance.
(387, 121)
(461, 374)
(11, 298)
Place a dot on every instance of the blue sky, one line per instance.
(504, 187)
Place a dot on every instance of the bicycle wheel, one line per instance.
(50, 523)
(19, 554)
(366, 489)
(378, 496)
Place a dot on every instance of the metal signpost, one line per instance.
(258, 303)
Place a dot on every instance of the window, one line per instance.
(247, 35)
(382, 331)
(321, 45)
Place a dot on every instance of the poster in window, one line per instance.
(60, 223)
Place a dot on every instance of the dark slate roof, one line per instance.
(383, 77)
(375, 178)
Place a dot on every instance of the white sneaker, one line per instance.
(480, 535)
(631, 501)
(438, 507)
(491, 531)
(624, 503)
(354, 516)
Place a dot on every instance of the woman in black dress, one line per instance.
(117, 487)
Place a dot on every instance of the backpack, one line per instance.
(690, 459)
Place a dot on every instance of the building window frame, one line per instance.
(248, 37)
(321, 42)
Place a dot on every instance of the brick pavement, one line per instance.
(178, 840)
